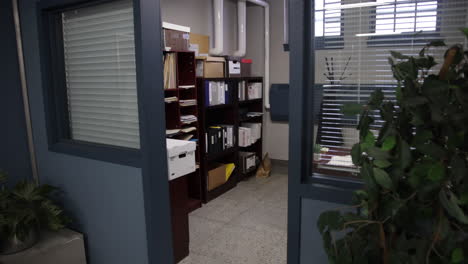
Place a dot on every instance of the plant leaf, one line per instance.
(457, 255)
(465, 31)
(451, 206)
(382, 163)
(378, 153)
(398, 55)
(389, 143)
(331, 219)
(376, 99)
(436, 172)
(382, 178)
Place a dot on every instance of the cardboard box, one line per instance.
(176, 40)
(210, 67)
(233, 67)
(200, 44)
(217, 176)
(180, 157)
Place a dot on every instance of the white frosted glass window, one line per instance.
(99, 53)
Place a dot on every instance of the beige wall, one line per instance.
(276, 134)
(198, 15)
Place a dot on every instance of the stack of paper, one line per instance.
(249, 133)
(188, 129)
(186, 86)
(254, 90)
(171, 99)
(172, 132)
(188, 102)
(170, 80)
(254, 114)
(187, 119)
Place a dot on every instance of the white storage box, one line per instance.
(180, 157)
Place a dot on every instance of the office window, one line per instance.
(328, 24)
(351, 74)
(93, 75)
(399, 16)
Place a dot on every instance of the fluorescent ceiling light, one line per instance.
(377, 34)
(359, 5)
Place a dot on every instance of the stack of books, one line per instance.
(219, 138)
(188, 102)
(187, 119)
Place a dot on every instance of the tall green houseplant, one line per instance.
(413, 207)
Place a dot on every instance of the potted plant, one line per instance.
(413, 207)
(25, 210)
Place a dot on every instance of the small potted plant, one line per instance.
(25, 210)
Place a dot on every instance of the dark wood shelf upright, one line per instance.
(225, 114)
(185, 75)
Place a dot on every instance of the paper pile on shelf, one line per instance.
(187, 119)
(254, 114)
(188, 102)
(188, 129)
(171, 99)
(249, 133)
(186, 86)
(172, 132)
(254, 90)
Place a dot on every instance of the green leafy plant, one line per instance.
(414, 204)
(26, 208)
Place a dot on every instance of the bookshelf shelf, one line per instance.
(225, 114)
(252, 101)
(220, 106)
(216, 156)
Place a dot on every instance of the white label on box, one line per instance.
(234, 68)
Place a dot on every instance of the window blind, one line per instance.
(99, 54)
(327, 18)
(350, 74)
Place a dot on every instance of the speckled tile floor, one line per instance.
(246, 225)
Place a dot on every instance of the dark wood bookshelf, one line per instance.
(185, 75)
(226, 114)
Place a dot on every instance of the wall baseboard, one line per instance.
(277, 162)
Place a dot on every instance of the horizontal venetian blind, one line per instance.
(350, 74)
(99, 53)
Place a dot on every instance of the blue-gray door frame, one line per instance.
(301, 66)
(149, 69)
(148, 43)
